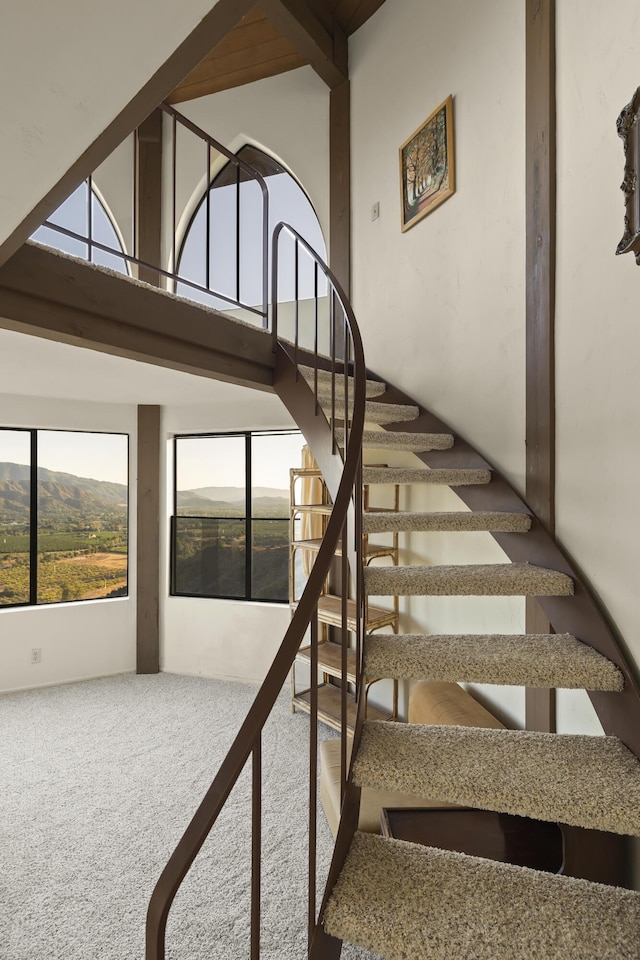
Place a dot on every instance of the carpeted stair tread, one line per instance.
(475, 580)
(533, 660)
(585, 781)
(413, 442)
(458, 521)
(403, 901)
(375, 411)
(453, 477)
(374, 388)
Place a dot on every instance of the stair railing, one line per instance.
(176, 128)
(343, 475)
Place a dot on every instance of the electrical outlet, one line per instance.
(375, 210)
(36, 655)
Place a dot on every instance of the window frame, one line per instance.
(248, 519)
(33, 515)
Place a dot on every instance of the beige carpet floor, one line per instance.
(97, 782)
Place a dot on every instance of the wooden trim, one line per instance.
(540, 257)
(340, 184)
(148, 541)
(149, 197)
(540, 301)
(326, 52)
(47, 294)
(211, 29)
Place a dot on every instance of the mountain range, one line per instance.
(231, 501)
(64, 496)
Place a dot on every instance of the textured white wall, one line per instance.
(227, 639)
(442, 306)
(78, 640)
(598, 304)
(287, 116)
(72, 66)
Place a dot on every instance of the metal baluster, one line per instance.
(345, 334)
(174, 160)
(238, 234)
(90, 218)
(344, 667)
(256, 846)
(313, 774)
(315, 337)
(274, 287)
(134, 228)
(208, 240)
(332, 337)
(359, 576)
(265, 256)
(296, 292)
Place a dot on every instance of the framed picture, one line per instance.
(427, 172)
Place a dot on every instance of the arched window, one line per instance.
(235, 255)
(76, 216)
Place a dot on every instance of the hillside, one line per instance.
(230, 502)
(61, 496)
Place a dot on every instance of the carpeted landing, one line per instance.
(99, 780)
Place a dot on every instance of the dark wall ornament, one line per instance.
(629, 130)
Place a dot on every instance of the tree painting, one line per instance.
(426, 165)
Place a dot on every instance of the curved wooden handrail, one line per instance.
(343, 478)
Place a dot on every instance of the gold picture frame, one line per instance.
(427, 166)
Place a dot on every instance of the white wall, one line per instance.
(78, 640)
(598, 305)
(434, 300)
(442, 306)
(89, 65)
(228, 639)
(286, 116)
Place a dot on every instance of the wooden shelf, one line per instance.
(373, 549)
(330, 707)
(330, 608)
(330, 611)
(330, 659)
(306, 472)
(322, 509)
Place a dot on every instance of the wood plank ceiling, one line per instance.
(255, 49)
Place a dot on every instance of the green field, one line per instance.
(211, 558)
(72, 565)
(63, 542)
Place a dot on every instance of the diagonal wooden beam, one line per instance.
(326, 52)
(212, 28)
(46, 294)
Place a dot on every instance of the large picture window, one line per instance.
(63, 516)
(230, 529)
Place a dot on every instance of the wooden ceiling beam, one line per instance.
(326, 52)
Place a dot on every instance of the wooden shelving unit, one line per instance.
(330, 615)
